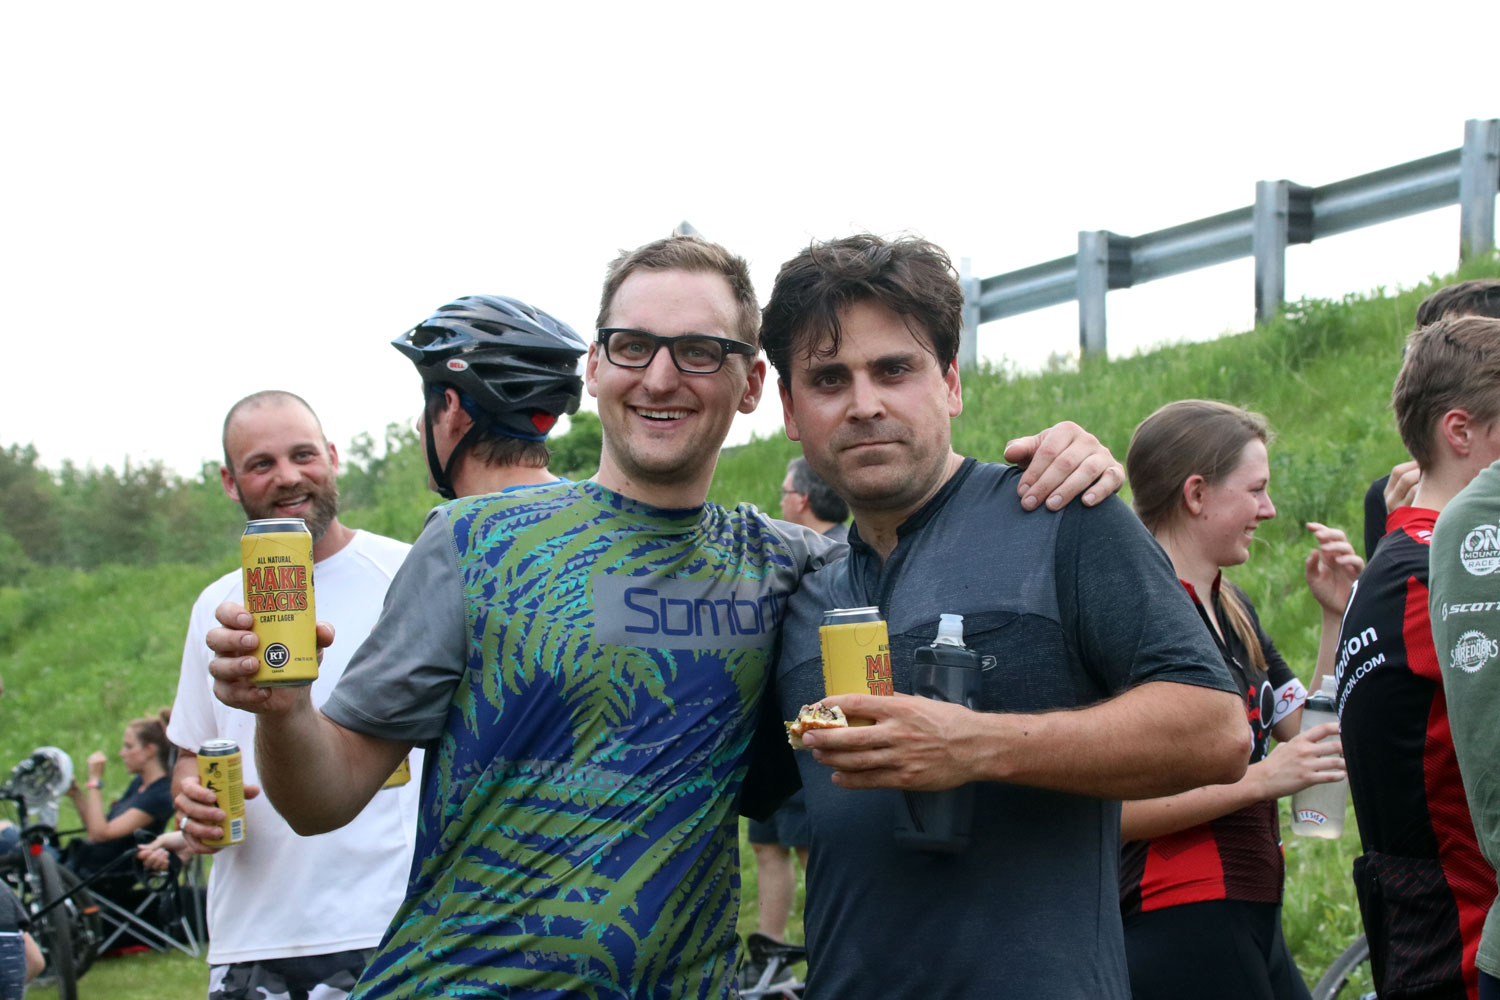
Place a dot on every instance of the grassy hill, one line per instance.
(83, 652)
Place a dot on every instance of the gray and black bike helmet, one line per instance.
(512, 363)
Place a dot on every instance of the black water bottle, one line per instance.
(948, 671)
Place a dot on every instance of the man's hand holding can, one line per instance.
(199, 815)
(235, 663)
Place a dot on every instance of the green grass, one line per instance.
(82, 653)
(150, 976)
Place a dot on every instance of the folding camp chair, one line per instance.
(160, 910)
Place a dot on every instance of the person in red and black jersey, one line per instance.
(1423, 885)
(1201, 872)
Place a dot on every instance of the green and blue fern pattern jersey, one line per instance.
(578, 834)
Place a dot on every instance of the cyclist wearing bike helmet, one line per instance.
(496, 375)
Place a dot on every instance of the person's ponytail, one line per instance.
(154, 732)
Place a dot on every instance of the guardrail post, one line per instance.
(1283, 215)
(1103, 263)
(968, 341)
(1478, 180)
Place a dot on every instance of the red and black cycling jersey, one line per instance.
(1237, 856)
(1423, 885)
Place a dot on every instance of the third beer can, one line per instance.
(856, 653)
(278, 573)
(221, 771)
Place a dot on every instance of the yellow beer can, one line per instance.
(400, 776)
(278, 573)
(221, 771)
(856, 651)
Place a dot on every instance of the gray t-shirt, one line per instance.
(1074, 607)
(400, 681)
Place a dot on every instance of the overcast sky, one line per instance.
(203, 200)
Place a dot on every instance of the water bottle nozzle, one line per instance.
(950, 630)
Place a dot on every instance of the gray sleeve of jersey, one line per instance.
(810, 550)
(400, 681)
(1120, 597)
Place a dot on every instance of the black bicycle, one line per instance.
(1349, 977)
(766, 969)
(63, 917)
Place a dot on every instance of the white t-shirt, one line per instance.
(278, 895)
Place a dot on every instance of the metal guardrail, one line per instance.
(1284, 213)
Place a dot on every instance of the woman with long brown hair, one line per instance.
(1201, 872)
(146, 803)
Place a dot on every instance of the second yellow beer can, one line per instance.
(278, 573)
(400, 776)
(856, 654)
(221, 771)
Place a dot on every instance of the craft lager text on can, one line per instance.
(278, 574)
(856, 654)
(221, 771)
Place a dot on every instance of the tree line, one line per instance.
(145, 515)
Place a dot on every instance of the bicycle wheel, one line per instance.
(1349, 976)
(56, 936)
(83, 918)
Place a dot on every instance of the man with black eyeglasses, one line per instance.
(585, 661)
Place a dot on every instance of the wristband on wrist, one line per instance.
(94, 783)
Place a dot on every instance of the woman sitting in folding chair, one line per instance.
(146, 805)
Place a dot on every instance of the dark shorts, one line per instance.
(306, 977)
(1223, 949)
(787, 826)
(12, 965)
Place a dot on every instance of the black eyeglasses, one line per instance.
(692, 353)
